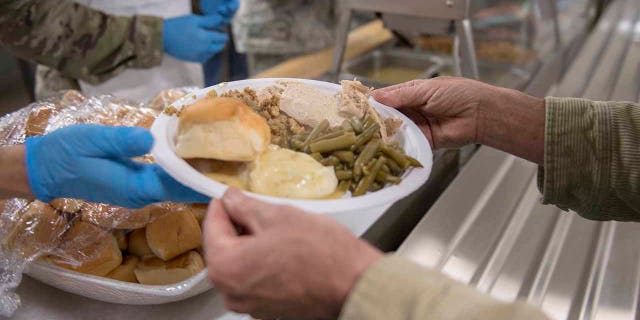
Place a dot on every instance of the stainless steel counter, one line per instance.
(489, 229)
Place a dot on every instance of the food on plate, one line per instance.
(266, 102)
(38, 229)
(285, 173)
(67, 205)
(309, 105)
(222, 129)
(138, 243)
(124, 272)
(154, 271)
(235, 174)
(174, 234)
(88, 249)
(329, 144)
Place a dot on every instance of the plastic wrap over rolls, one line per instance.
(91, 238)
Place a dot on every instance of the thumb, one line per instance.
(244, 211)
(408, 94)
(109, 142)
(211, 21)
(217, 228)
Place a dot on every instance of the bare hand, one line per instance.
(284, 263)
(452, 112)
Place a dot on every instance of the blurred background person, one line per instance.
(272, 31)
(132, 49)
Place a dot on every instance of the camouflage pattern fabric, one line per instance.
(50, 82)
(284, 27)
(79, 42)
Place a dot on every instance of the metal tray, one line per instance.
(370, 68)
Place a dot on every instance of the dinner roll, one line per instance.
(222, 129)
(87, 248)
(111, 217)
(122, 238)
(38, 230)
(124, 272)
(199, 211)
(174, 234)
(154, 271)
(67, 205)
(138, 243)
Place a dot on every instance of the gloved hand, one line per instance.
(225, 8)
(192, 38)
(93, 163)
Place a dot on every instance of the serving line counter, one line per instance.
(489, 229)
(386, 228)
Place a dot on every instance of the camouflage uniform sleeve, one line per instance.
(80, 42)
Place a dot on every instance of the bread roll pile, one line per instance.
(155, 245)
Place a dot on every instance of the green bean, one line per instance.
(367, 135)
(385, 177)
(386, 169)
(330, 161)
(316, 132)
(399, 158)
(368, 121)
(356, 124)
(346, 125)
(367, 169)
(317, 156)
(296, 144)
(365, 156)
(338, 143)
(330, 135)
(344, 185)
(344, 174)
(375, 187)
(301, 137)
(413, 162)
(367, 180)
(395, 167)
(345, 156)
(394, 144)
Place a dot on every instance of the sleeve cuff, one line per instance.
(391, 288)
(395, 288)
(576, 155)
(147, 38)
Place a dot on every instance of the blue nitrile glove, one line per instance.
(192, 37)
(93, 163)
(225, 8)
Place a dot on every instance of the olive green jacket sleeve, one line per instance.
(592, 158)
(78, 41)
(395, 288)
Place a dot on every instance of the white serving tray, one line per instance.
(357, 214)
(105, 289)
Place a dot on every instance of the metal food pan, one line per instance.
(410, 65)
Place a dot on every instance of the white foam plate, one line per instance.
(165, 127)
